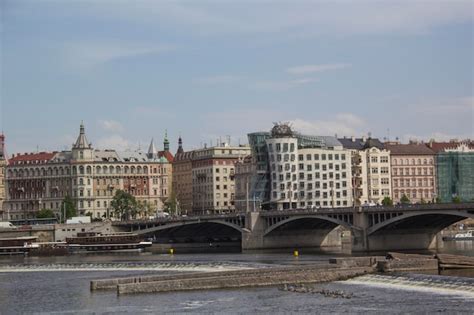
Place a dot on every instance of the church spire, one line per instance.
(180, 145)
(152, 152)
(81, 142)
(166, 143)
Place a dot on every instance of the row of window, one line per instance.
(309, 195)
(303, 176)
(400, 161)
(413, 182)
(413, 171)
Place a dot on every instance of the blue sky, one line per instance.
(208, 69)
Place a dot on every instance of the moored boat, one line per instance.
(91, 241)
(16, 245)
(468, 236)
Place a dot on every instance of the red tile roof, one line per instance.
(167, 154)
(41, 157)
(442, 146)
(409, 149)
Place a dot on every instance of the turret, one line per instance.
(166, 143)
(180, 146)
(82, 150)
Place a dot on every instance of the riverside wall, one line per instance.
(274, 277)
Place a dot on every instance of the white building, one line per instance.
(371, 174)
(307, 171)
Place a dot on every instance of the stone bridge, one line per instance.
(371, 228)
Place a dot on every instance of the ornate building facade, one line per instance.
(91, 177)
(3, 163)
(413, 172)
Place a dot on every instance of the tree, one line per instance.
(404, 200)
(124, 205)
(438, 200)
(70, 208)
(45, 213)
(457, 199)
(422, 201)
(170, 204)
(387, 201)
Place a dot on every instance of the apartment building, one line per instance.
(413, 172)
(91, 177)
(371, 174)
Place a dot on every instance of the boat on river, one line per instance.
(16, 245)
(468, 236)
(93, 242)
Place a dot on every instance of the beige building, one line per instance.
(244, 172)
(413, 172)
(204, 179)
(183, 180)
(213, 175)
(3, 164)
(371, 173)
(91, 177)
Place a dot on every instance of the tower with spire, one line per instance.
(180, 145)
(166, 143)
(82, 149)
(152, 151)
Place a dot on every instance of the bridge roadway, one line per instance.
(372, 228)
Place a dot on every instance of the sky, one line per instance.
(214, 69)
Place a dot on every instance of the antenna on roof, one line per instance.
(388, 134)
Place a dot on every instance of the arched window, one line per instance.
(126, 169)
(425, 161)
(118, 170)
(98, 169)
(89, 169)
(81, 170)
(145, 170)
(81, 181)
(139, 170)
(104, 169)
(413, 161)
(111, 169)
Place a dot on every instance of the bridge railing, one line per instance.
(344, 210)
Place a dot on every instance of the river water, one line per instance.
(60, 285)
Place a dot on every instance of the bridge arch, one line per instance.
(313, 221)
(167, 226)
(431, 220)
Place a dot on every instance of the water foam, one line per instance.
(421, 283)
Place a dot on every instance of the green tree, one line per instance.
(423, 201)
(404, 200)
(387, 201)
(45, 213)
(457, 199)
(124, 205)
(438, 200)
(171, 204)
(70, 208)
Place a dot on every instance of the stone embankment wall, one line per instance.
(262, 277)
(107, 284)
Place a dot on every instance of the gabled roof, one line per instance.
(167, 154)
(409, 149)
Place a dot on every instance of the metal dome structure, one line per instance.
(282, 130)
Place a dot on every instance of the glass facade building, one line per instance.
(455, 173)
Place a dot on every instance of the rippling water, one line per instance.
(60, 285)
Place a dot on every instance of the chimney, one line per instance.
(353, 139)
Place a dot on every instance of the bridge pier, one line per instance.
(253, 236)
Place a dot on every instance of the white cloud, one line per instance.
(83, 55)
(438, 136)
(111, 125)
(343, 124)
(116, 142)
(454, 106)
(305, 69)
(285, 18)
(282, 85)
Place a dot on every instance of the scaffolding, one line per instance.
(455, 172)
